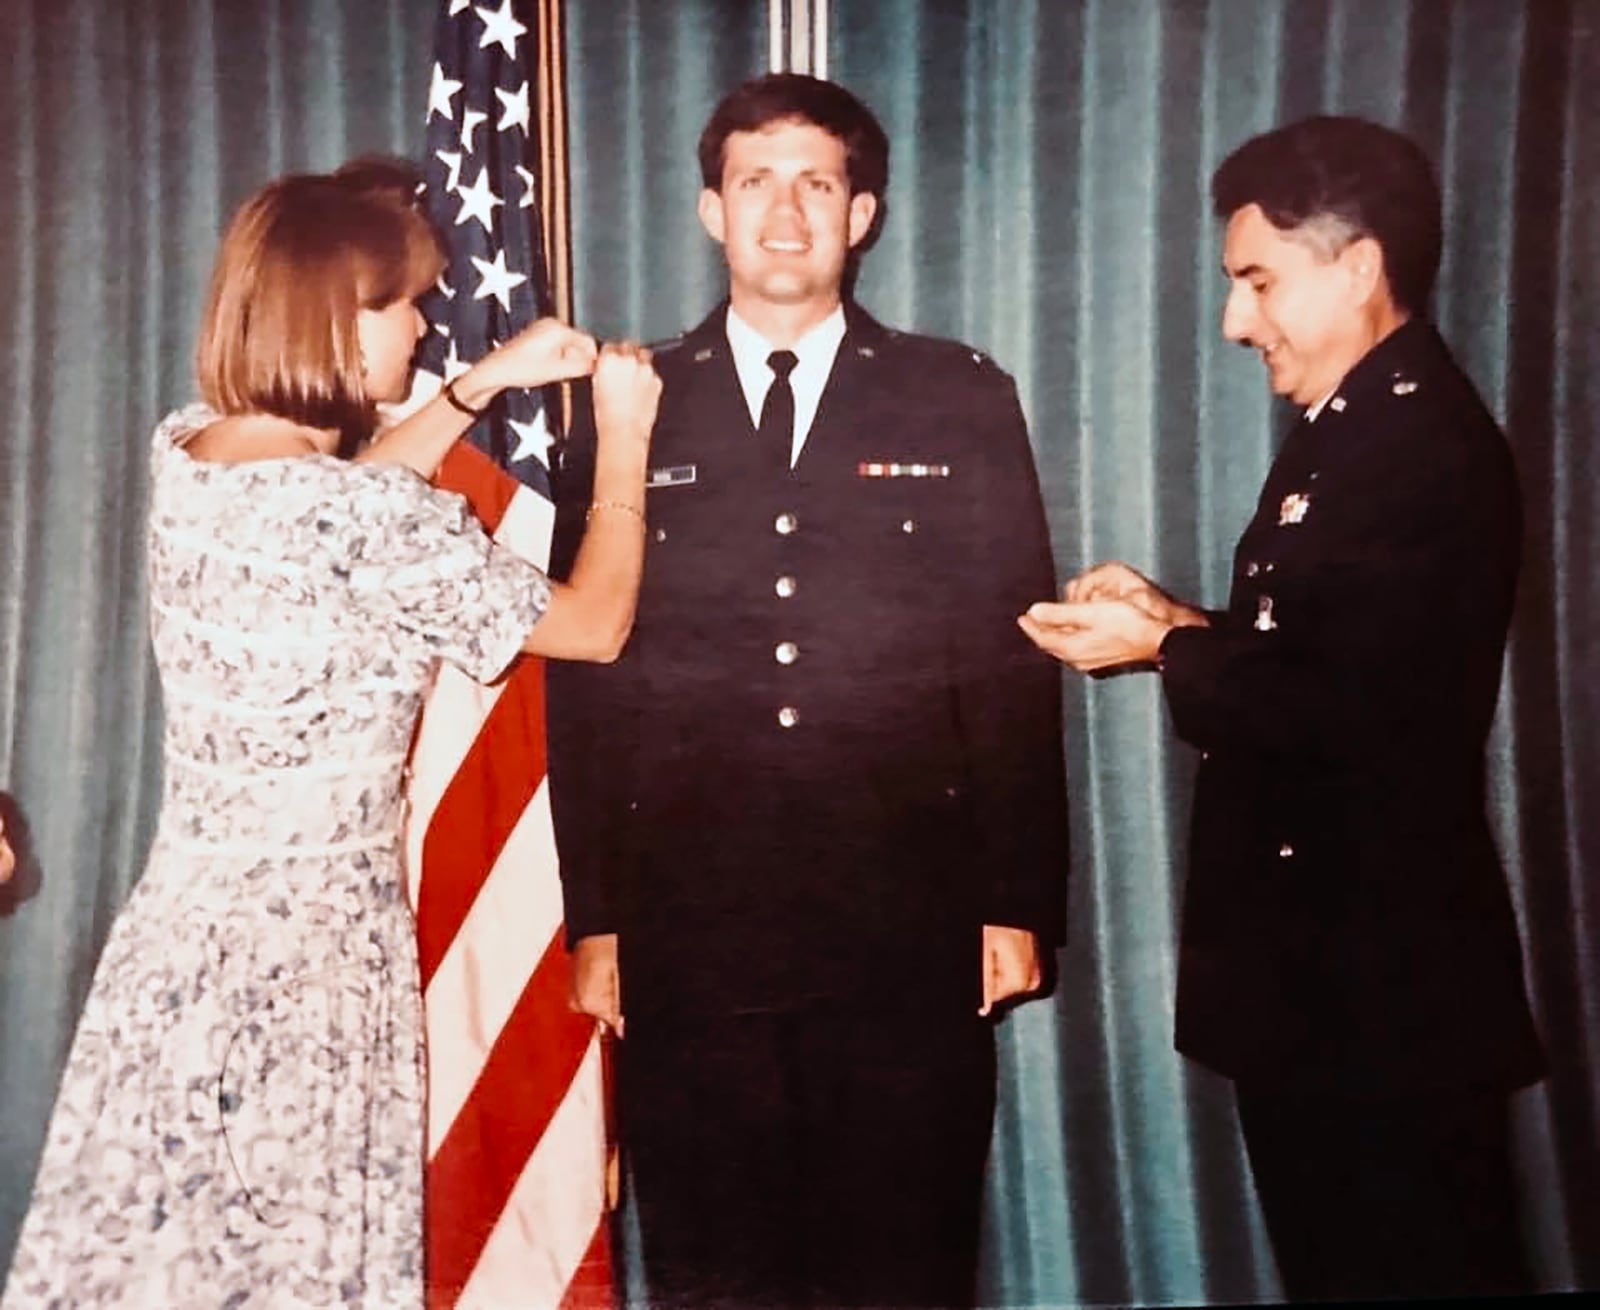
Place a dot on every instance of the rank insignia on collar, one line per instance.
(703, 354)
(1294, 507)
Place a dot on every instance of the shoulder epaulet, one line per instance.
(943, 352)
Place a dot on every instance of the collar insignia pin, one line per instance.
(1294, 507)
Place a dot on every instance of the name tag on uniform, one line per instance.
(885, 469)
(678, 475)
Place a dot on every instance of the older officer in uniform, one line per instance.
(812, 824)
(1349, 955)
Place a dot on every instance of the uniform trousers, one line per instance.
(830, 1155)
(1386, 1197)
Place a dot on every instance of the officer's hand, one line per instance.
(1116, 581)
(1111, 581)
(1010, 964)
(596, 982)
(1094, 634)
(8, 860)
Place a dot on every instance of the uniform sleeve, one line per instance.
(1008, 692)
(1398, 628)
(427, 571)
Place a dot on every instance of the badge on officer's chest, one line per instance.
(1293, 508)
(1264, 620)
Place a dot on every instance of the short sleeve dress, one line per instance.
(241, 1118)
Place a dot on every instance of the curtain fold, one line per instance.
(1048, 203)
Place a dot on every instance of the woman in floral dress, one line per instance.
(241, 1118)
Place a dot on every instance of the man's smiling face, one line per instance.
(785, 216)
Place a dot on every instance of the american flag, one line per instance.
(517, 1151)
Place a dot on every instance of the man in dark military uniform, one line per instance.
(1349, 955)
(812, 824)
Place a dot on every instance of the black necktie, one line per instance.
(777, 410)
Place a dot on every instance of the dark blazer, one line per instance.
(1347, 923)
(828, 754)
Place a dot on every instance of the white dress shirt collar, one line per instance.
(815, 352)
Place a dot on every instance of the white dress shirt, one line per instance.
(815, 352)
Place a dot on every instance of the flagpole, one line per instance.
(552, 147)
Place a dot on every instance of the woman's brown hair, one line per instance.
(300, 258)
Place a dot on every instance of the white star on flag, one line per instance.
(528, 185)
(441, 93)
(496, 279)
(470, 121)
(454, 365)
(533, 439)
(478, 201)
(513, 108)
(500, 26)
(451, 159)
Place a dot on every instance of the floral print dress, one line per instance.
(241, 1118)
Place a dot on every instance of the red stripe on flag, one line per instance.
(591, 1287)
(489, 489)
(482, 1156)
(481, 805)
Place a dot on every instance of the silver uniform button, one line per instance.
(785, 586)
(661, 534)
(1285, 851)
(910, 525)
(788, 716)
(786, 652)
(1251, 569)
(785, 523)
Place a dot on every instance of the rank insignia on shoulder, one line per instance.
(1293, 508)
(677, 475)
(878, 469)
(1403, 386)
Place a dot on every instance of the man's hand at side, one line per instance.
(1010, 965)
(596, 982)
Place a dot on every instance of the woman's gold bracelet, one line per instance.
(620, 506)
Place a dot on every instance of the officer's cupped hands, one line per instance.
(1092, 635)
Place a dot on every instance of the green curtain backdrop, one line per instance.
(1047, 203)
